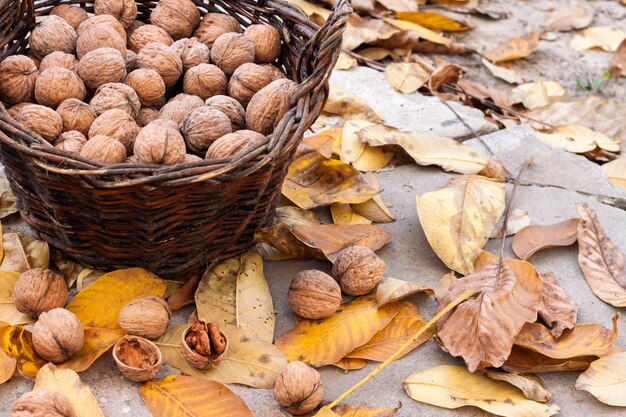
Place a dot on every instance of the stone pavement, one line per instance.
(554, 183)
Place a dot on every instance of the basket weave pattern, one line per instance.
(171, 220)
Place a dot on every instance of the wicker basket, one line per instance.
(171, 220)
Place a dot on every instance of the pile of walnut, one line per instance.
(114, 89)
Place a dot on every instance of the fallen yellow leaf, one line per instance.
(506, 74)
(350, 364)
(343, 214)
(616, 171)
(324, 342)
(8, 311)
(602, 37)
(538, 94)
(393, 289)
(17, 342)
(375, 208)
(423, 32)
(325, 412)
(606, 379)
(513, 48)
(8, 204)
(350, 410)
(97, 342)
(7, 363)
(406, 77)
(525, 361)
(343, 103)
(433, 21)
(530, 385)
(24, 252)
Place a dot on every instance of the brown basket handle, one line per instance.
(321, 51)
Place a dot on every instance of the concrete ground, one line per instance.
(552, 186)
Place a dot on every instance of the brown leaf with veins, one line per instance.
(527, 361)
(482, 330)
(602, 263)
(393, 289)
(558, 310)
(513, 48)
(530, 385)
(534, 238)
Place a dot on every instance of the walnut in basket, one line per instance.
(204, 81)
(269, 105)
(160, 143)
(18, 74)
(230, 51)
(115, 96)
(234, 144)
(76, 115)
(59, 59)
(192, 52)
(104, 149)
(213, 25)
(176, 111)
(203, 126)
(147, 34)
(57, 84)
(148, 85)
(16, 109)
(52, 34)
(103, 19)
(276, 72)
(231, 108)
(146, 115)
(179, 18)
(71, 14)
(163, 60)
(117, 124)
(266, 40)
(123, 10)
(42, 120)
(246, 81)
(100, 36)
(101, 66)
(71, 141)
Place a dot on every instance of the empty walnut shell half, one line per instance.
(138, 359)
(203, 345)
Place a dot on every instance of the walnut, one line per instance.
(179, 18)
(115, 96)
(131, 61)
(160, 143)
(192, 52)
(103, 19)
(52, 34)
(231, 50)
(59, 59)
(191, 100)
(138, 359)
(104, 149)
(192, 158)
(147, 34)
(203, 345)
(145, 317)
(231, 108)
(314, 295)
(146, 115)
(16, 109)
(100, 36)
(101, 66)
(270, 104)
(213, 25)
(58, 335)
(204, 81)
(234, 144)
(71, 14)
(42, 403)
(42, 120)
(266, 40)
(358, 270)
(298, 388)
(133, 27)
(18, 74)
(148, 85)
(57, 84)
(276, 72)
(203, 126)
(123, 10)
(176, 111)
(246, 81)
(71, 141)
(39, 290)
(76, 115)
(163, 60)
(117, 124)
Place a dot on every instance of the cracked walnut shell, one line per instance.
(42, 403)
(56, 84)
(246, 81)
(203, 345)
(73, 15)
(163, 60)
(203, 126)
(314, 295)
(147, 34)
(358, 269)
(102, 66)
(115, 96)
(298, 388)
(231, 108)
(266, 40)
(160, 143)
(116, 124)
(270, 104)
(179, 18)
(18, 74)
(76, 115)
(138, 359)
(52, 34)
(145, 317)
(123, 10)
(213, 25)
(39, 290)
(58, 335)
(104, 149)
(148, 85)
(42, 120)
(234, 144)
(204, 81)
(230, 51)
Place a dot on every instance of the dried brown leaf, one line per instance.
(527, 361)
(446, 74)
(617, 66)
(616, 171)
(342, 103)
(601, 37)
(433, 21)
(350, 410)
(393, 289)
(406, 77)
(350, 364)
(534, 238)
(513, 48)
(567, 17)
(558, 310)
(503, 73)
(530, 385)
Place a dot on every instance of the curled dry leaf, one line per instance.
(8, 312)
(459, 218)
(581, 340)
(176, 394)
(406, 77)
(538, 94)
(344, 214)
(8, 204)
(325, 342)
(602, 37)
(534, 238)
(523, 361)
(295, 216)
(393, 289)
(375, 208)
(453, 387)
(7, 363)
(234, 291)
(247, 361)
(350, 410)
(518, 219)
(443, 286)
(504, 73)
(616, 171)
(445, 74)
(422, 31)
(23, 252)
(567, 17)
(606, 379)
(68, 383)
(350, 364)
(343, 103)
(184, 295)
(482, 330)
(530, 385)
(361, 155)
(513, 48)
(578, 139)
(399, 331)
(602, 263)
(17, 342)
(558, 310)
(433, 21)
(322, 142)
